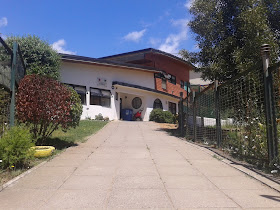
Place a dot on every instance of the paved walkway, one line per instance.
(134, 165)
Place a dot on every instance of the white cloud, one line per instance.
(135, 36)
(60, 45)
(189, 4)
(3, 22)
(173, 41)
(183, 23)
(154, 41)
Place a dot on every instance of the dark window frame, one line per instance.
(163, 83)
(172, 107)
(99, 99)
(82, 96)
(182, 84)
(172, 79)
(132, 103)
(158, 75)
(157, 104)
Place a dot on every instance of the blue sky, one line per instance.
(99, 28)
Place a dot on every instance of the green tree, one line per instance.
(45, 104)
(230, 33)
(40, 58)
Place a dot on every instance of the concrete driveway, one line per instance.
(134, 165)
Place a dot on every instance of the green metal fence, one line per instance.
(239, 116)
(243, 118)
(5, 78)
(12, 69)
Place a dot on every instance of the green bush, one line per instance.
(161, 116)
(168, 117)
(157, 115)
(99, 117)
(15, 148)
(76, 108)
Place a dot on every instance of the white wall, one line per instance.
(209, 121)
(86, 75)
(195, 79)
(164, 100)
(147, 97)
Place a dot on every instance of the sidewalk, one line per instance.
(134, 165)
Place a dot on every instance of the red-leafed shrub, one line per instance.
(44, 104)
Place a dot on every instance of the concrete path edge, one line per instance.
(21, 176)
(271, 184)
(7, 184)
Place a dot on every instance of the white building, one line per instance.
(107, 86)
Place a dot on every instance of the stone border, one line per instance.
(273, 185)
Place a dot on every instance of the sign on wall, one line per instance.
(101, 82)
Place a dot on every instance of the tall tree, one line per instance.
(40, 58)
(230, 33)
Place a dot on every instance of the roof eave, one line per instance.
(111, 64)
(150, 50)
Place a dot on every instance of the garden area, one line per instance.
(39, 115)
(239, 119)
(60, 140)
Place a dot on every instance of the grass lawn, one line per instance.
(60, 140)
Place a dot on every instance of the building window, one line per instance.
(186, 86)
(163, 83)
(158, 75)
(182, 84)
(172, 107)
(157, 104)
(172, 79)
(136, 103)
(100, 97)
(81, 90)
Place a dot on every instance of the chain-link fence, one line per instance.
(20, 70)
(5, 78)
(240, 116)
(275, 72)
(189, 116)
(12, 69)
(201, 121)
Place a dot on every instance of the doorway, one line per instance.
(120, 108)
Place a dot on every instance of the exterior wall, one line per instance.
(147, 98)
(164, 100)
(170, 66)
(87, 75)
(195, 79)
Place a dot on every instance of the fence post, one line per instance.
(187, 112)
(271, 125)
(181, 114)
(218, 115)
(13, 84)
(194, 117)
(273, 115)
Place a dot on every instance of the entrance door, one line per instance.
(120, 108)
